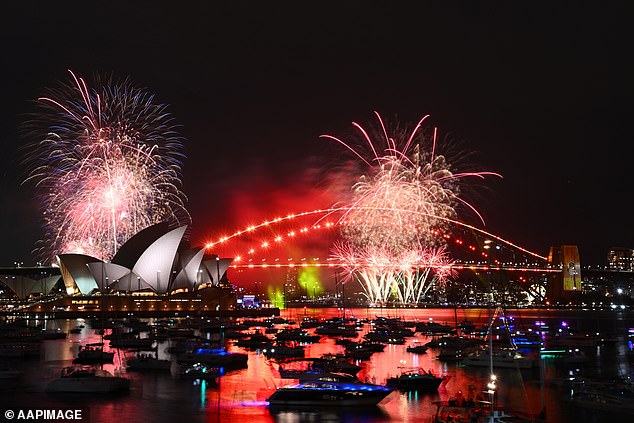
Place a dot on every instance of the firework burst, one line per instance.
(107, 164)
(383, 275)
(406, 193)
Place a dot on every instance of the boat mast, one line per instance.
(491, 385)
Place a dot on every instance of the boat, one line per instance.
(297, 335)
(283, 351)
(336, 364)
(310, 323)
(314, 374)
(417, 349)
(501, 359)
(466, 326)
(337, 330)
(146, 362)
(416, 380)
(81, 379)
(93, 354)
(255, 341)
(328, 393)
(132, 343)
(570, 356)
(433, 328)
(215, 357)
(199, 371)
(384, 336)
(455, 354)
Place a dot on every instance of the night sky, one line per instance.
(541, 93)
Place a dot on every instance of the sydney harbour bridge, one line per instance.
(304, 240)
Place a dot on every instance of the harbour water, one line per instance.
(240, 395)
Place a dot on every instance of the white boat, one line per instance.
(504, 359)
(78, 379)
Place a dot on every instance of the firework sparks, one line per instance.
(383, 275)
(107, 163)
(404, 196)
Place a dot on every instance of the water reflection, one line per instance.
(325, 414)
(240, 395)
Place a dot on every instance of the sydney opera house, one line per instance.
(149, 273)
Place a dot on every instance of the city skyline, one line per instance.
(539, 94)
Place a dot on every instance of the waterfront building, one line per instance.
(150, 272)
(621, 259)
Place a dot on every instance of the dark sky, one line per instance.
(542, 93)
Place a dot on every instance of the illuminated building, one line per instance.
(621, 259)
(150, 273)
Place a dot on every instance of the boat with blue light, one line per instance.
(329, 393)
(215, 357)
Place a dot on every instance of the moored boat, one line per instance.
(78, 379)
(327, 393)
(500, 359)
(93, 354)
(417, 349)
(416, 380)
(215, 357)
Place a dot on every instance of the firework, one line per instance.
(107, 164)
(405, 194)
(383, 275)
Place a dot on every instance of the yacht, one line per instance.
(308, 373)
(416, 380)
(417, 349)
(335, 363)
(93, 354)
(139, 343)
(78, 379)
(200, 371)
(501, 359)
(215, 357)
(328, 393)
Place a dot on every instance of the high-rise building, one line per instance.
(621, 259)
